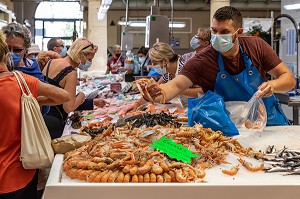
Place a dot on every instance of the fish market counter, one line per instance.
(216, 185)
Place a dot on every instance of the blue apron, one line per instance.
(241, 87)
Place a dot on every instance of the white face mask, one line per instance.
(222, 43)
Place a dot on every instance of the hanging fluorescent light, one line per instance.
(142, 24)
(292, 6)
(177, 24)
(105, 4)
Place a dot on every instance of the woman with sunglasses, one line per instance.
(18, 39)
(62, 73)
(15, 181)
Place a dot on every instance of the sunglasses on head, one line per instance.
(95, 47)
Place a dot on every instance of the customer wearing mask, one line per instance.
(142, 53)
(116, 61)
(18, 39)
(234, 67)
(198, 43)
(168, 64)
(62, 73)
(57, 45)
(15, 181)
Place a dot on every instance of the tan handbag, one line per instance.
(70, 142)
(36, 150)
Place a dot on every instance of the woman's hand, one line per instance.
(100, 102)
(131, 108)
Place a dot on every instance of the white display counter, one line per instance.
(244, 184)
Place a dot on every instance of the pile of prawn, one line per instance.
(120, 154)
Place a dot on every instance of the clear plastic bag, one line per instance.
(234, 110)
(254, 115)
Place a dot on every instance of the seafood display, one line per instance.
(122, 154)
(97, 127)
(142, 86)
(149, 120)
(284, 160)
(142, 120)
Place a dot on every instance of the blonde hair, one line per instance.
(81, 45)
(3, 47)
(162, 51)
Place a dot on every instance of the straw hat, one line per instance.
(34, 48)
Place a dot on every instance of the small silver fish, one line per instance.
(279, 169)
(292, 173)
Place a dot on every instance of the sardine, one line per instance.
(273, 162)
(297, 164)
(292, 173)
(294, 158)
(279, 169)
(280, 152)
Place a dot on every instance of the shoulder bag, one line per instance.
(36, 149)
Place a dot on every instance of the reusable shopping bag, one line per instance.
(210, 111)
(36, 150)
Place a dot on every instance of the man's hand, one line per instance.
(150, 92)
(267, 89)
(44, 56)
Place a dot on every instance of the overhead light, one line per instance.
(177, 24)
(292, 6)
(142, 24)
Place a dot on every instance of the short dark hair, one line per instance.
(227, 13)
(52, 43)
(143, 50)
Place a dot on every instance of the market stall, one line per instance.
(216, 184)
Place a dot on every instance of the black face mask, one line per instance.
(118, 54)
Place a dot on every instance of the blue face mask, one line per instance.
(16, 58)
(142, 59)
(85, 66)
(159, 70)
(63, 51)
(194, 43)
